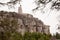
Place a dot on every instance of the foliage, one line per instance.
(55, 4)
(7, 27)
(26, 36)
(10, 3)
(57, 36)
(35, 36)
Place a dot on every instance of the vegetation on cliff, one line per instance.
(9, 26)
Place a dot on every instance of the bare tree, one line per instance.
(11, 3)
(55, 4)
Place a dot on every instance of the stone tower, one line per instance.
(20, 10)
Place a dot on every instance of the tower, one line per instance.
(20, 10)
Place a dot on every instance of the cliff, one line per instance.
(26, 22)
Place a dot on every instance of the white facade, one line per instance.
(20, 10)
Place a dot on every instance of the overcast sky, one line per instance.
(28, 5)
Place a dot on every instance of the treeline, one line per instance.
(26, 36)
(57, 36)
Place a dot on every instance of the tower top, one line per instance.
(20, 9)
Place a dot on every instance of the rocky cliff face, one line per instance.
(26, 22)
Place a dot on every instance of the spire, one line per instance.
(20, 10)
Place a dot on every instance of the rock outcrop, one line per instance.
(26, 23)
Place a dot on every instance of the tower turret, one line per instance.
(20, 10)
